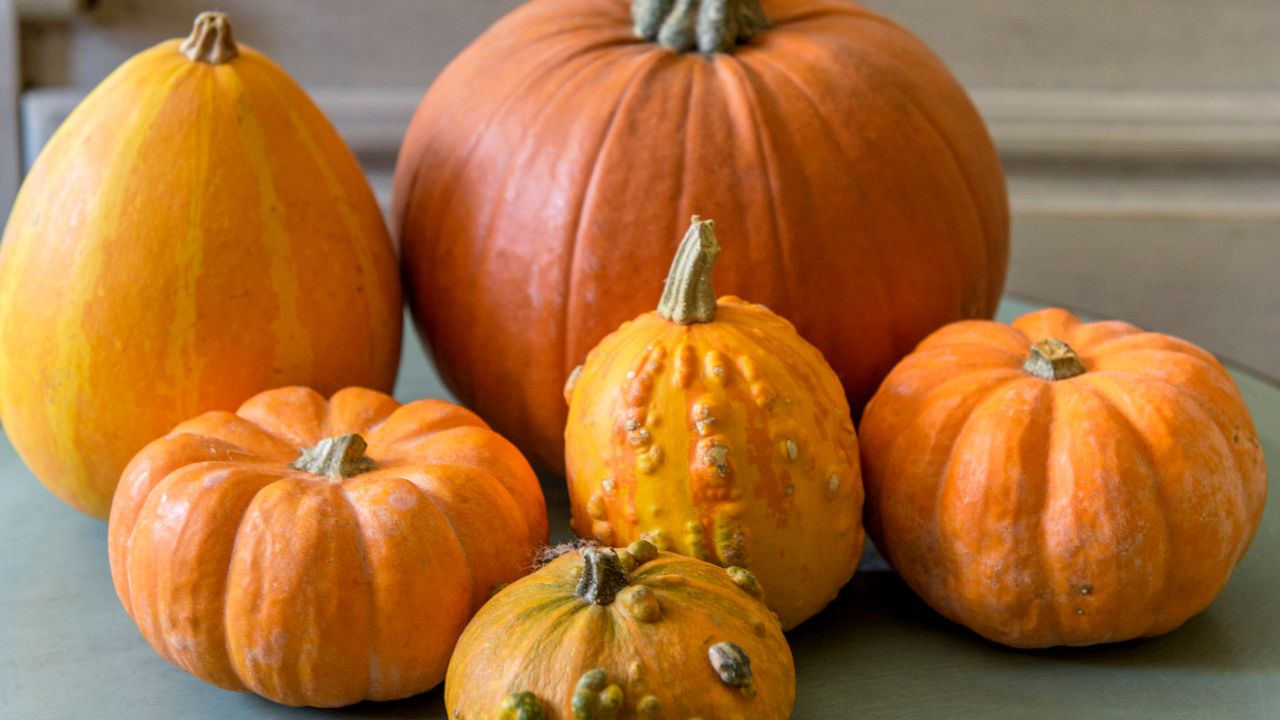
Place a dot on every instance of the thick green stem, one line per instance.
(336, 457)
(688, 297)
(602, 576)
(1051, 359)
(708, 26)
(211, 40)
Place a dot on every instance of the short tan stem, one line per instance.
(603, 576)
(336, 457)
(1051, 359)
(688, 297)
(211, 40)
(708, 26)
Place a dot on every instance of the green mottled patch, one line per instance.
(521, 706)
(595, 698)
(730, 539)
(649, 708)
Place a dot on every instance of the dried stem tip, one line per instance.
(1051, 359)
(336, 457)
(709, 26)
(211, 40)
(602, 576)
(688, 297)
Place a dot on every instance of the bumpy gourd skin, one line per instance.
(728, 441)
(194, 233)
(680, 639)
(321, 589)
(1110, 502)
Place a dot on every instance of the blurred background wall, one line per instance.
(1141, 137)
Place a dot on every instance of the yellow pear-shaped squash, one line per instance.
(194, 233)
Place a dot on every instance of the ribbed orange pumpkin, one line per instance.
(273, 551)
(194, 233)
(543, 180)
(630, 634)
(716, 431)
(1059, 482)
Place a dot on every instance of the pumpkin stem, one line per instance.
(688, 297)
(1051, 359)
(210, 40)
(710, 26)
(602, 575)
(336, 457)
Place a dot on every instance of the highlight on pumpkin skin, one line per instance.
(321, 552)
(712, 428)
(601, 633)
(1115, 474)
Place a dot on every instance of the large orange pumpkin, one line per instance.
(627, 634)
(543, 180)
(1059, 482)
(713, 429)
(321, 553)
(194, 233)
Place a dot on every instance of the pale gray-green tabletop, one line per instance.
(67, 649)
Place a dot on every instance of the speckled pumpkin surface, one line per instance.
(1056, 482)
(722, 435)
(628, 634)
(321, 553)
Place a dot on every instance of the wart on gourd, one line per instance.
(595, 698)
(745, 580)
(730, 536)
(732, 666)
(520, 706)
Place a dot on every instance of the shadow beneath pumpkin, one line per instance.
(427, 705)
(1205, 641)
(877, 613)
(879, 643)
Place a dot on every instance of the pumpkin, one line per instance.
(194, 233)
(542, 181)
(603, 634)
(716, 431)
(1056, 482)
(321, 553)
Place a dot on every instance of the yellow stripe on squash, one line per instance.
(193, 234)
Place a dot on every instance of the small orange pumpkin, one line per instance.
(715, 430)
(273, 550)
(1056, 482)
(601, 634)
(196, 232)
